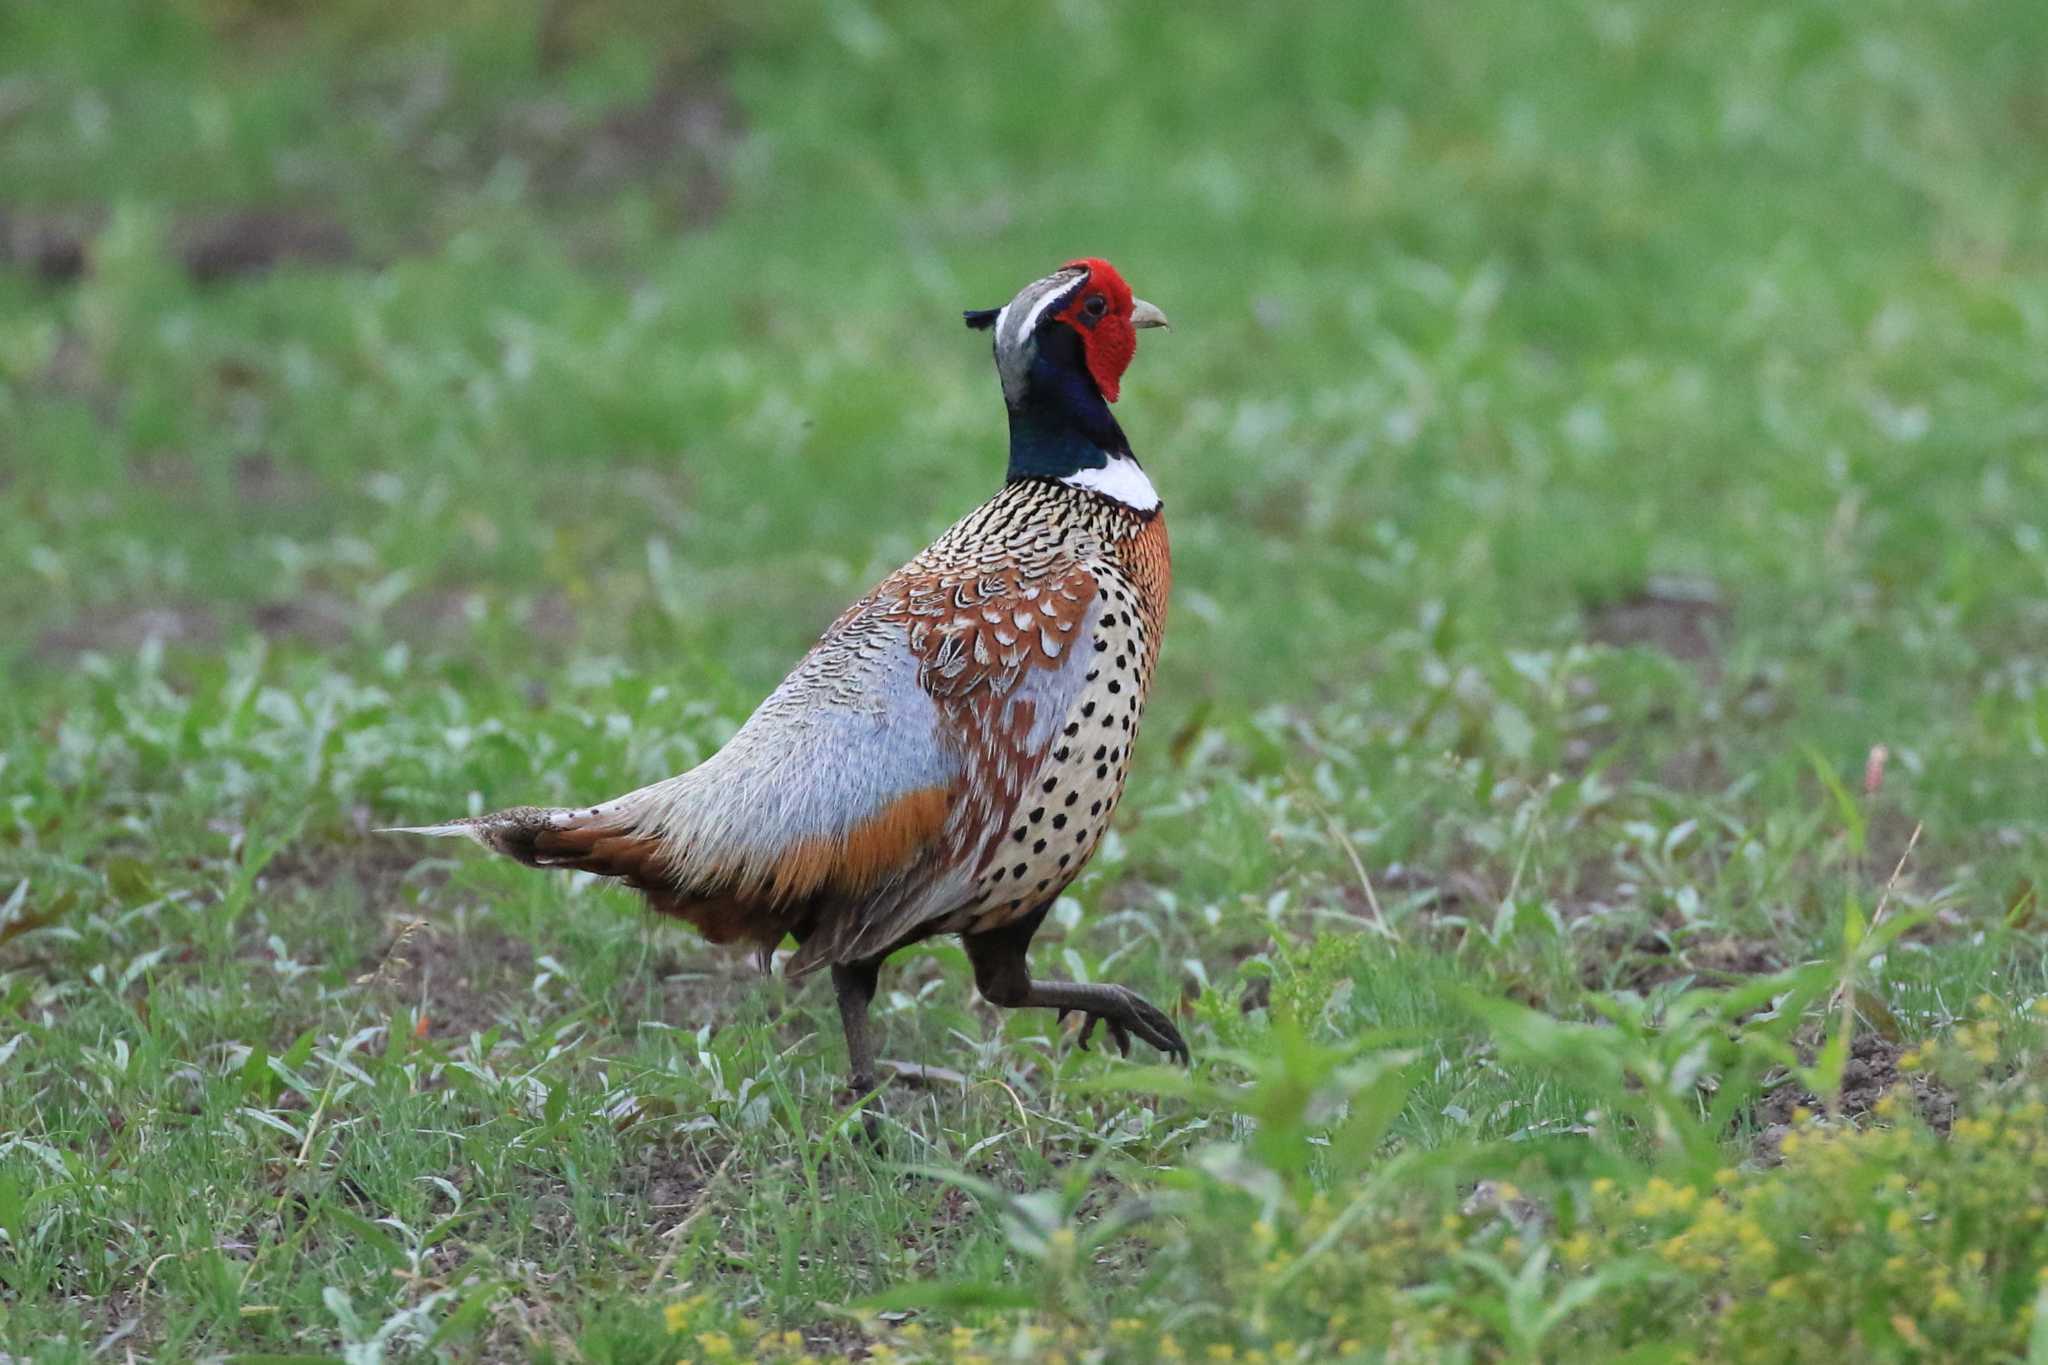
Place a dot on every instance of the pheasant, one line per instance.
(947, 757)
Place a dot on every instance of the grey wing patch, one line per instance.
(848, 732)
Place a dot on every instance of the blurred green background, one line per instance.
(1587, 430)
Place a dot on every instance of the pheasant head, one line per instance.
(1061, 348)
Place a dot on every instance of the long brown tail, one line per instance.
(599, 839)
(587, 840)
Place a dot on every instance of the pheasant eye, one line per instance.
(1095, 306)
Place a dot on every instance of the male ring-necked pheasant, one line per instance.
(947, 756)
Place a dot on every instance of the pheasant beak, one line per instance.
(1144, 314)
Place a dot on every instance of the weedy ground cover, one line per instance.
(1590, 815)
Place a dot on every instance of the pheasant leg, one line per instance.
(1003, 977)
(855, 983)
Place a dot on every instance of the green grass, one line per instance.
(1587, 431)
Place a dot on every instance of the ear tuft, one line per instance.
(981, 319)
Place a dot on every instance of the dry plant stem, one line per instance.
(1845, 990)
(1884, 901)
(1372, 900)
(674, 1234)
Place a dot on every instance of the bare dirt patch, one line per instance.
(665, 1184)
(56, 246)
(50, 246)
(1681, 617)
(248, 241)
(377, 867)
(126, 627)
(1643, 961)
(690, 983)
(1871, 1073)
(263, 480)
(676, 143)
(459, 979)
(313, 618)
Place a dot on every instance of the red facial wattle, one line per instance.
(1108, 339)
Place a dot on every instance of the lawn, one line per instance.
(1592, 818)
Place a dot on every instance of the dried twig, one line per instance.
(1372, 900)
(674, 1235)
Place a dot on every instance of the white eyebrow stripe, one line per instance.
(1029, 324)
(1052, 296)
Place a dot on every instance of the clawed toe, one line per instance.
(1133, 1014)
